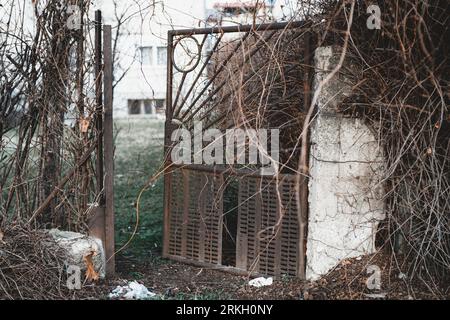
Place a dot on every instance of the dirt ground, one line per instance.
(348, 281)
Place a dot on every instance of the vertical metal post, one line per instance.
(109, 152)
(167, 143)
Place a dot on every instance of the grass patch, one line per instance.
(139, 154)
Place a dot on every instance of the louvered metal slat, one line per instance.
(195, 216)
(176, 214)
(267, 231)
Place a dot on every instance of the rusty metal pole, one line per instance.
(109, 152)
(167, 143)
(239, 28)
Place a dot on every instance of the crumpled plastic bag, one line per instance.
(132, 291)
(261, 282)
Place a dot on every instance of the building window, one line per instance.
(146, 56)
(134, 107)
(148, 106)
(160, 105)
(162, 55)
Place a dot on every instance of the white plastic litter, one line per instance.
(132, 291)
(261, 282)
(402, 276)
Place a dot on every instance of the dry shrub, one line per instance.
(400, 77)
(401, 90)
(31, 265)
(40, 73)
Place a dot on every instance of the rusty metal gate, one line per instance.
(265, 230)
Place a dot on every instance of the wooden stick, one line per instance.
(109, 152)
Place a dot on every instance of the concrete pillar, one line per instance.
(345, 193)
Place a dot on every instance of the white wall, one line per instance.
(345, 193)
(142, 29)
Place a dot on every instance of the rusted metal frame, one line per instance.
(205, 64)
(169, 109)
(224, 82)
(109, 152)
(195, 65)
(304, 190)
(180, 87)
(239, 28)
(185, 73)
(208, 84)
(167, 146)
(169, 114)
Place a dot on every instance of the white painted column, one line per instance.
(345, 193)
